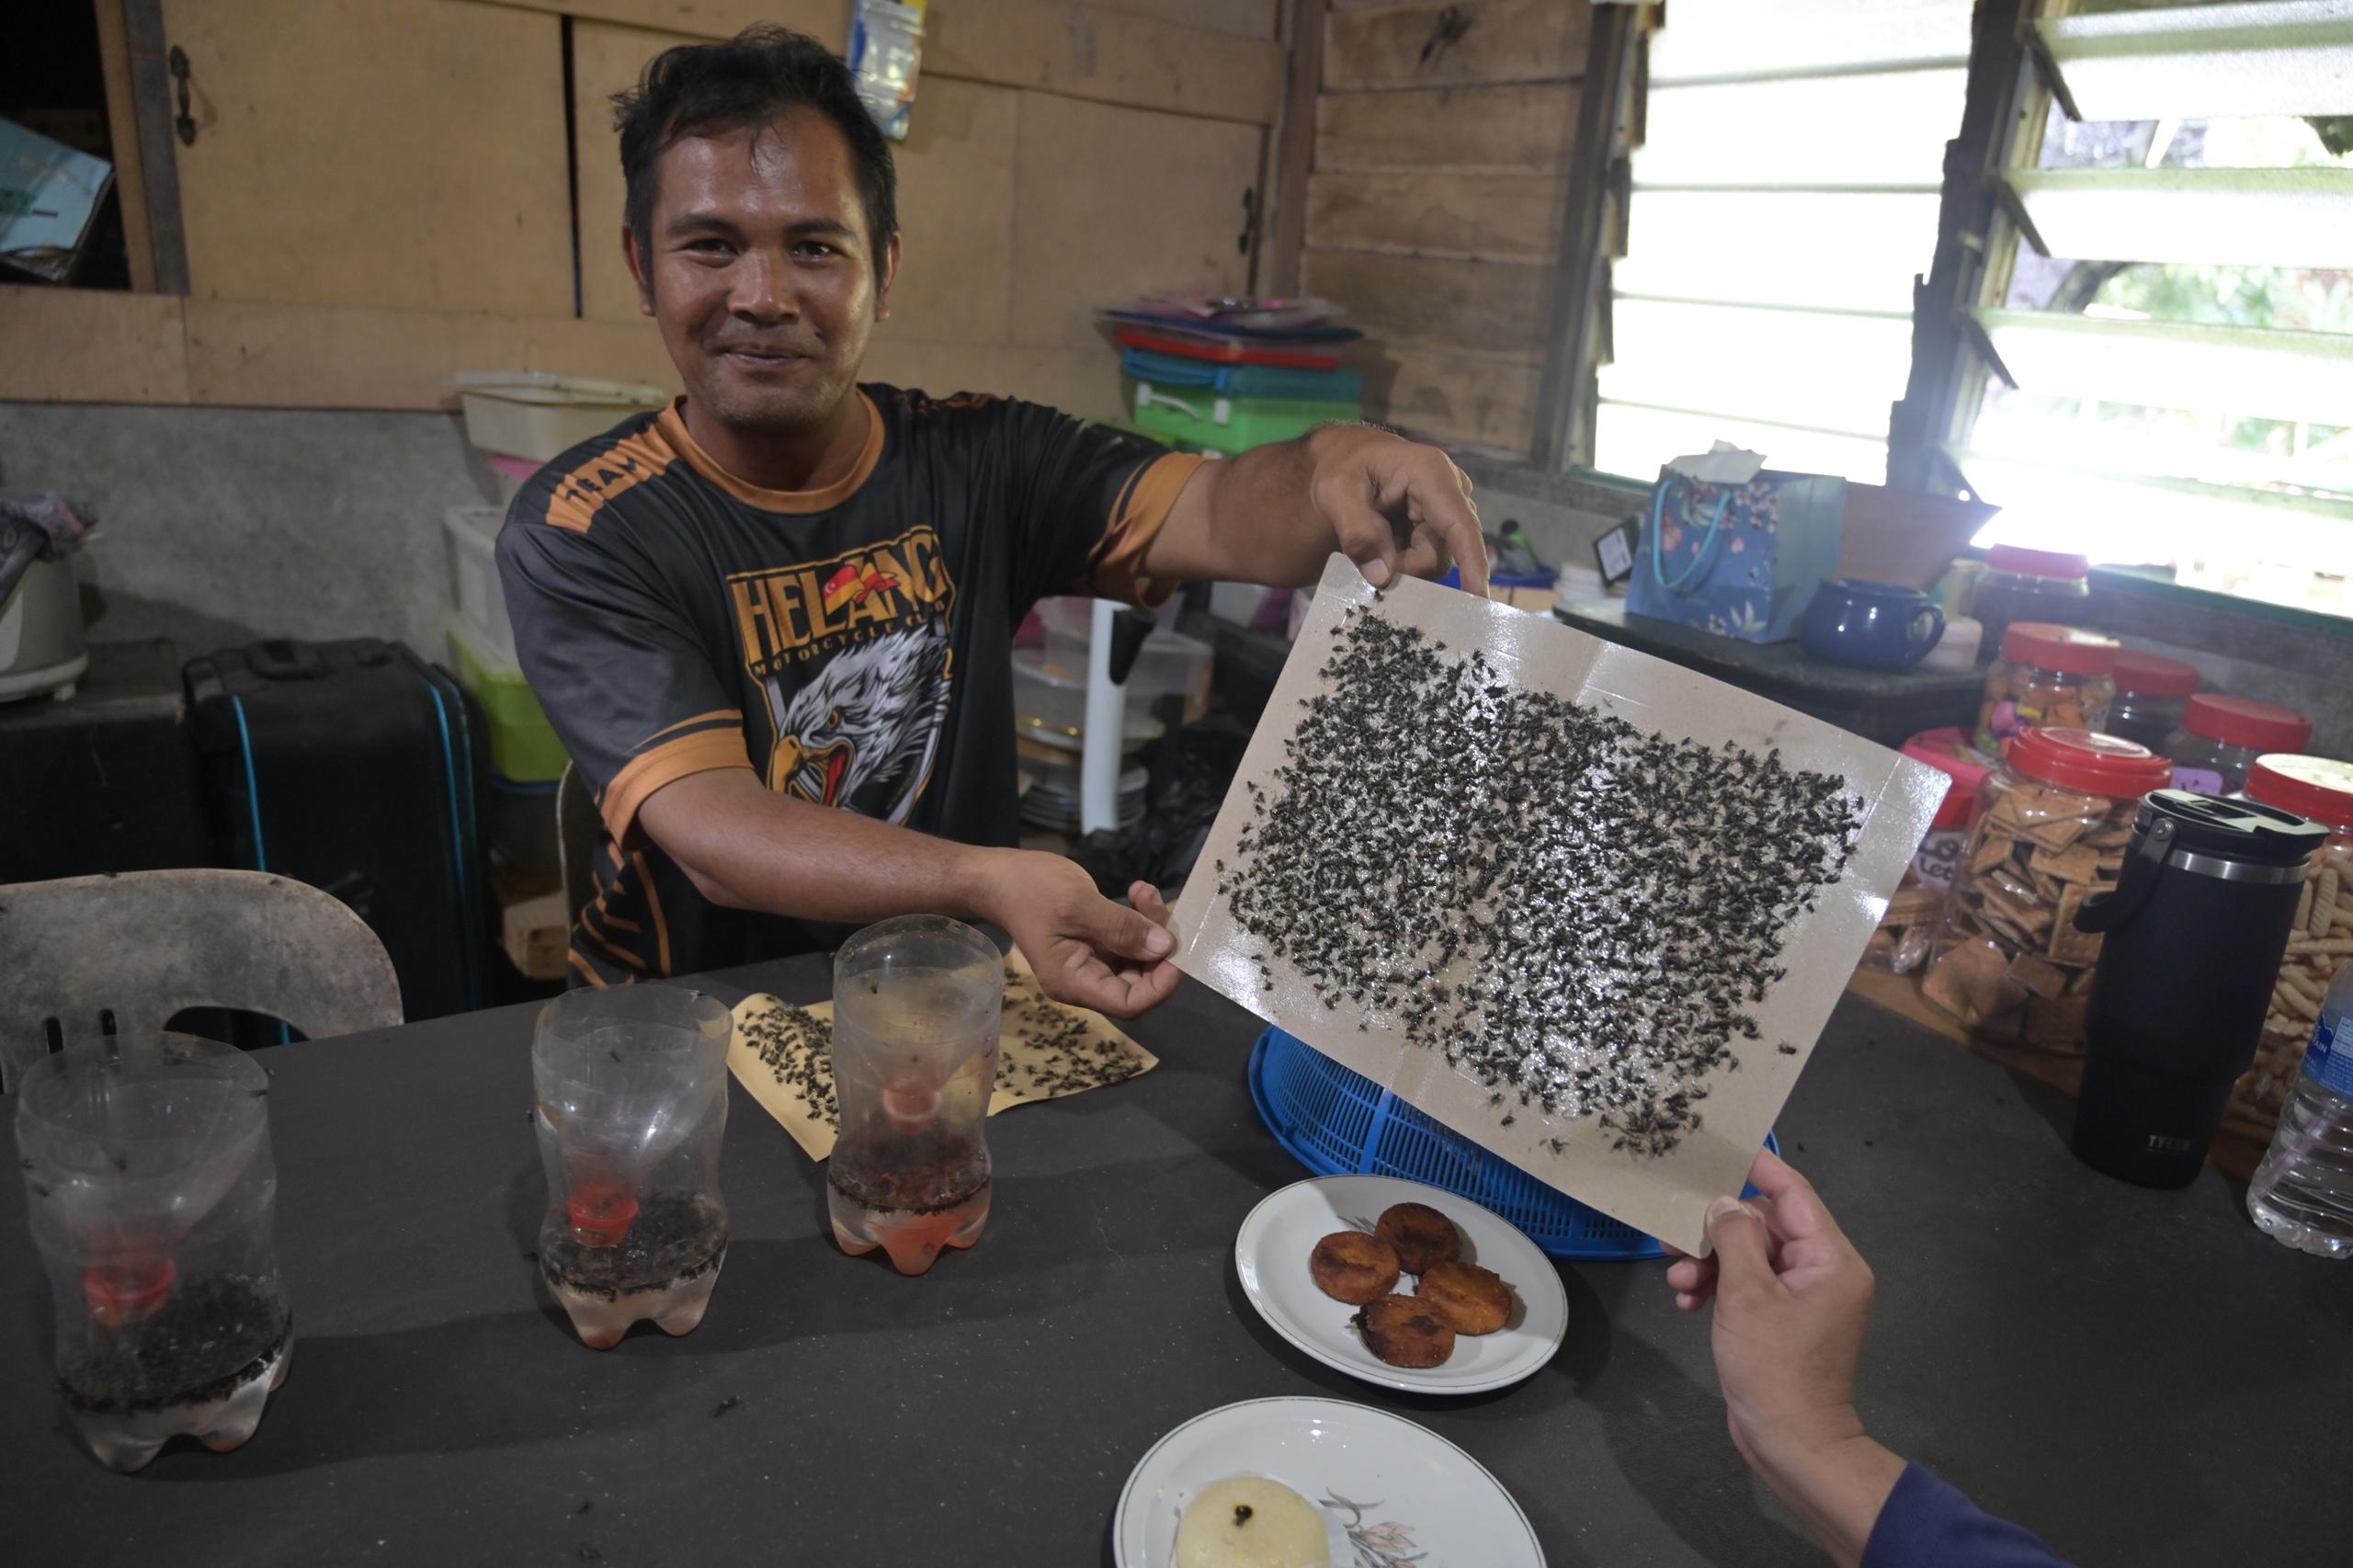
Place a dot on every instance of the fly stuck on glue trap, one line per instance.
(1576, 913)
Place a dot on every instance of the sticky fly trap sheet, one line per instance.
(784, 1056)
(1582, 906)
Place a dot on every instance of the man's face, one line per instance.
(760, 272)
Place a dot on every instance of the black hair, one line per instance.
(752, 78)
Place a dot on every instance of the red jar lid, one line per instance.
(2148, 674)
(2053, 563)
(2061, 648)
(2083, 759)
(2243, 721)
(2320, 788)
(1946, 751)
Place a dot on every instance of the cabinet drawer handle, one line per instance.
(186, 123)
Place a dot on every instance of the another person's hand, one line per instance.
(1396, 506)
(1792, 1300)
(1087, 950)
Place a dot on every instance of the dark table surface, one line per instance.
(2139, 1375)
(1887, 706)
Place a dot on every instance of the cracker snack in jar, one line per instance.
(1900, 943)
(2319, 943)
(2053, 824)
(2053, 677)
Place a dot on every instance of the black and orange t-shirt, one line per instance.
(851, 645)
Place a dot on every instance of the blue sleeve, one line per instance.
(1927, 1524)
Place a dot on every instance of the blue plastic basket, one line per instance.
(1339, 1123)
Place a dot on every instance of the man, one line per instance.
(773, 624)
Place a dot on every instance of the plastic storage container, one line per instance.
(1168, 660)
(523, 744)
(2050, 677)
(1243, 380)
(1227, 423)
(1909, 927)
(2320, 944)
(916, 1006)
(153, 1200)
(537, 414)
(2220, 738)
(2151, 693)
(2052, 823)
(471, 537)
(2028, 584)
(631, 1101)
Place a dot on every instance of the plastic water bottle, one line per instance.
(2302, 1193)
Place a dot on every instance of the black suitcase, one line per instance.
(359, 768)
(104, 780)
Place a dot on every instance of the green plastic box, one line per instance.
(1205, 418)
(523, 748)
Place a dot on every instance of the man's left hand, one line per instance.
(1396, 506)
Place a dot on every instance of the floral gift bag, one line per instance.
(1736, 553)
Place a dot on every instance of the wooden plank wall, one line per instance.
(1008, 240)
(378, 195)
(1442, 142)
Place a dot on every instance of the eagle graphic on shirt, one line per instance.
(852, 654)
(865, 732)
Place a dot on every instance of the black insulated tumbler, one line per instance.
(2195, 927)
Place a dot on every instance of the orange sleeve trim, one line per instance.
(705, 751)
(586, 968)
(735, 713)
(622, 954)
(584, 491)
(1115, 570)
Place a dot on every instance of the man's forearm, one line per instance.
(1835, 1489)
(1248, 519)
(748, 847)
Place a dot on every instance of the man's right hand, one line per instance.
(1087, 950)
(1792, 1300)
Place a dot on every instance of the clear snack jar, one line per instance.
(2028, 584)
(1905, 932)
(631, 1091)
(153, 1200)
(2151, 693)
(2052, 823)
(916, 1002)
(2319, 943)
(2220, 738)
(2051, 677)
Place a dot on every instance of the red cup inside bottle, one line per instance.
(911, 1099)
(601, 1215)
(127, 1292)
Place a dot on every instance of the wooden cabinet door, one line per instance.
(1111, 201)
(408, 154)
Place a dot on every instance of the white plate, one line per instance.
(1271, 1253)
(1390, 1492)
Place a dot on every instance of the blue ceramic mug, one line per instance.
(1878, 625)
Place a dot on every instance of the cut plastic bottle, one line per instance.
(152, 1202)
(631, 1086)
